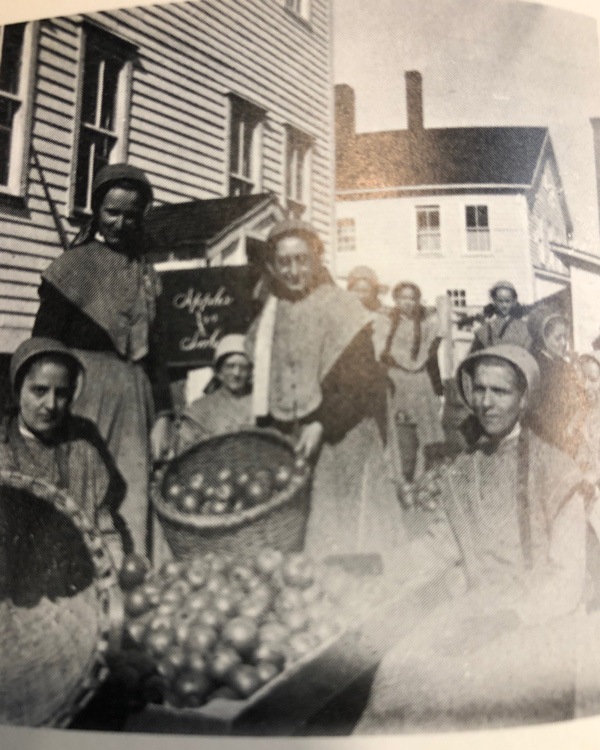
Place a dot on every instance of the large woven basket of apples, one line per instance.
(234, 493)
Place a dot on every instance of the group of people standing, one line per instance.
(339, 374)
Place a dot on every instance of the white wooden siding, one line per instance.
(190, 55)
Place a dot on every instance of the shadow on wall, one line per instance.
(4, 382)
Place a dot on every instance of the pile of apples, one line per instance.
(217, 627)
(232, 490)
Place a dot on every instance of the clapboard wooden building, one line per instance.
(218, 100)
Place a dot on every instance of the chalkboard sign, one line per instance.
(199, 306)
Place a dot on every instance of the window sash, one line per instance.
(103, 118)
(478, 241)
(429, 236)
(346, 235)
(244, 160)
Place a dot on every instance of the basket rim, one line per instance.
(104, 584)
(227, 520)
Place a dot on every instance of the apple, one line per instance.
(136, 603)
(200, 638)
(217, 507)
(224, 475)
(242, 479)
(268, 652)
(159, 642)
(172, 661)
(268, 561)
(190, 689)
(282, 476)
(133, 571)
(211, 617)
(170, 570)
(257, 492)
(196, 482)
(135, 632)
(242, 634)
(215, 583)
(160, 622)
(198, 601)
(296, 620)
(222, 661)
(174, 490)
(299, 645)
(273, 633)
(300, 466)
(189, 503)
(152, 592)
(197, 573)
(244, 680)
(154, 689)
(267, 671)
(224, 492)
(298, 571)
(225, 605)
(224, 693)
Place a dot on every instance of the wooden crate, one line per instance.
(285, 704)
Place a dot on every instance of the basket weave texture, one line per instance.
(56, 584)
(278, 523)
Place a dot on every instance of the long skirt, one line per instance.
(117, 397)
(463, 669)
(354, 508)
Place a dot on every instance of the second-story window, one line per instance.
(104, 117)
(346, 235)
(297, 171)
(245, 146)
(429, 236)
(478, 229)
(16, 75)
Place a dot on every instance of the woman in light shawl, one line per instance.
(100, 298)
(227, 405)
(410, 354)
(316, 378)
(493, 639)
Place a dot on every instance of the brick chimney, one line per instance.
(345, 114)
(414, 100)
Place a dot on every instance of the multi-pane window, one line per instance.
(346, 235)
(103, 119)
(429, 237)
(297, 171)
(245, 147)
(16, 56)
(478, 229)
(457, 297)
(299, 8)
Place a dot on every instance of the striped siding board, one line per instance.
(190, 56)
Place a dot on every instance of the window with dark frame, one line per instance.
(101, 123)
(346, 235)
(458, 298)
(478, 229)
(245, 148)
(11, 64)
(297, 171)
(429, 236)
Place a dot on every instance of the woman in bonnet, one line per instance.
(316, 379)
(100, 299)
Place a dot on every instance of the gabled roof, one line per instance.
(189, 228)
(505, 156)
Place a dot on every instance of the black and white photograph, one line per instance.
(299, 370)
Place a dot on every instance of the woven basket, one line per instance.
(57, 604)
(279, 523)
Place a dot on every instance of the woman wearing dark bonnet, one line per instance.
(100, 298)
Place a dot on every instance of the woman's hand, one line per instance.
(310, 440)
(160, 438)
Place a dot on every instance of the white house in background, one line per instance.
(454, 209)
(227, 105)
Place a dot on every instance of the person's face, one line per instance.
(407, 301)
(234, 373)
(590, 372)
(556, 339)
(498, 401)
(120, 216)
(293, 266)
(365, 293)
(504, 299)
(45, 397)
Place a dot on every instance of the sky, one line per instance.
(484, 62)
